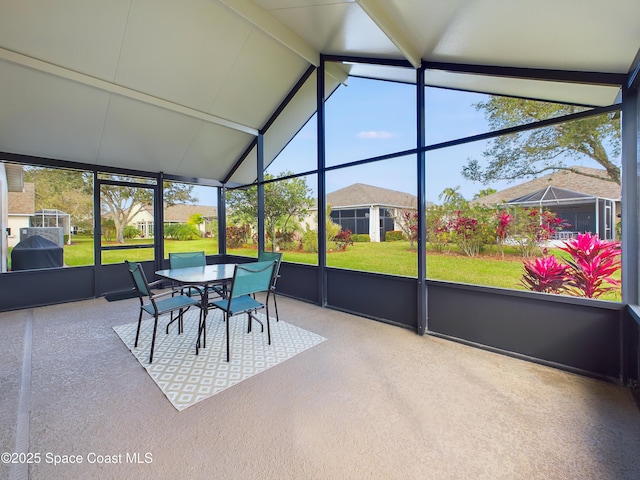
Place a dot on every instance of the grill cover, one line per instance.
(36, 252)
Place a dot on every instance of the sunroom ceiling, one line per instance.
(185, 87)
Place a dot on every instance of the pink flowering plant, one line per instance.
(592, 264)
(532, 227)
(545, 274)
(587, 273)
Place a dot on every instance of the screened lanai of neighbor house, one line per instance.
(162, 102)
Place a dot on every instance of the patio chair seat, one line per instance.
(170, 304)
(248, 279)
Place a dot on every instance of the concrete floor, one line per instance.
(373, 402)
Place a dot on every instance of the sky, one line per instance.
(369, 118)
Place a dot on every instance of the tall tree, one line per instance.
(69, 191)
(484, 192)
(121, 204)
(284, 201)
(452, 196)
(533, 152)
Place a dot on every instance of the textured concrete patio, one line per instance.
(372, 402)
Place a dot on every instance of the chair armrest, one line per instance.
(157, 282)
(173, 291)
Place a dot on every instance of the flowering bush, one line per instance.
(592, 265)
(545, 275)
(588, 273)
(342, 239)
(471, 230)
(532, 227)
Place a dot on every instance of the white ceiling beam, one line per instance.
(378, 14)
(272, 27)
(39, 65)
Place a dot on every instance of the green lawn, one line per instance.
(490, 269)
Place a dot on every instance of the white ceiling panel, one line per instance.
(84, 36)
(44, 115)
(146, 137)
(180, 51)
(211, 151)
(580, 94)
(258, 81)
(588, 35)
(340, 28)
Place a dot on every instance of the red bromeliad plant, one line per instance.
(588, 273)
(545, 275)
(592, 265)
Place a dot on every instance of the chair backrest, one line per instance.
(252, 278)
(272, 256)
(187, 259)
(139, 278)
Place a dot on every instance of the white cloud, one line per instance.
(376, 134)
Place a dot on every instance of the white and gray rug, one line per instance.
(186, 378)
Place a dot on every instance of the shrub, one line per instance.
(182, 231)
(592, 265)
(360, 237)
(393, 236)
(235, 236)
(343, 239)
(588, 273)
(131, 232)
(545, 275)
(310, 241)
(532, 227)
(471, 230)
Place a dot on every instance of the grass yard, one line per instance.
(396, 258)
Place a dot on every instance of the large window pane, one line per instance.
(301, 153)
(287, 219)
(373, 211)
(48, 217)
(369, 118)
(510, 211)
(190, 218)
(126, 223)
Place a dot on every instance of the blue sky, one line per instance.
(370, 118)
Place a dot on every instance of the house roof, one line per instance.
(361, 195)
(594, 185)
(104, 83)
(24, 202)
(180, 213)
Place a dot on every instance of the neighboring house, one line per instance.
(180, 213)
(21, 208)
(11, 180)
(587, 203)
(365, 209)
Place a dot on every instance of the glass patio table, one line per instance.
(206, 277)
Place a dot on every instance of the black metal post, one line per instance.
(260, 178)
(422, 203)
(322, 187)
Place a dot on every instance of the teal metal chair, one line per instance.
(277, 257)
(192, 259)
(248, 279)
(157, 303)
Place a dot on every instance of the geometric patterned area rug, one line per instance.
(186, 378)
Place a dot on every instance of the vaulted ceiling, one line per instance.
(185, 87)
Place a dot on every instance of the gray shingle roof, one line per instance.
(180, 213)
(360, 194)
(23, 203)
(596, 187)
